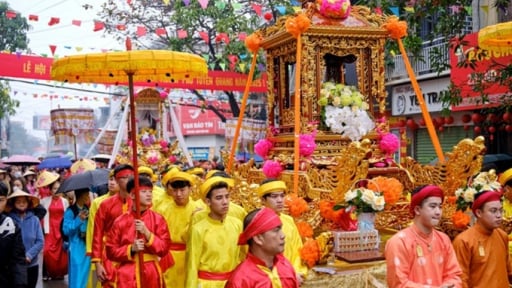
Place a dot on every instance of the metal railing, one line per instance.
(421, 65)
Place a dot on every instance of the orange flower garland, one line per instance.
(253, 42)
(297, 25)
(397, 29)
(391, 188)
(460, 219)
(296, 205)
(310, 252)
(305, 230)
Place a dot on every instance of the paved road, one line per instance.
(54, 284)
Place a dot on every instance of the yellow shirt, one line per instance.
(158, 195)
(293, 244)
(212, 247)
(88, 235)
(178, 221)
(235, 210)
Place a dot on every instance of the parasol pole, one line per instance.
(133, 138)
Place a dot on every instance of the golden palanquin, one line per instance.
(348, 51)
(329, 46)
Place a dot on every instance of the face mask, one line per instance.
(17, 174)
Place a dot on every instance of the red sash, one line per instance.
(220, 276)
(178, 246)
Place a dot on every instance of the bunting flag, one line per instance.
(183, 34)
(222, 37)
(281, 9)
(395, 10)
(205, 37)
(121, 27)
(54, 21)
(186, 2)
(203, 3)
(53, 48)
(160, 31)
(485, 8)
(409, 9)
(236, 6)
(166, 2)
(76, 23)
(141, 31)
(10, 14)
(257, 8)
(220, 4)
(242, 36)
(98, 26)
(34, 18)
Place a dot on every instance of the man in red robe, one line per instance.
(265, 265)
(129, 236)
(108, 211)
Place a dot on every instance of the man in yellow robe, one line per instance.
(419, 255)
(212, 248)
(482, 250)
(113, 188)
(177, 208)
(235, 210)
(272, 193)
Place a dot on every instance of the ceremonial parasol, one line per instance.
(148, 66)
(496, 37)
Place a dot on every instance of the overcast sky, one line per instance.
(67, 38)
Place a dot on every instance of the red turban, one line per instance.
(425, 192)
(266, 219)
(484, 197)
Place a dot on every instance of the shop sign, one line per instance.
(405, 102)
(199, 153)
(486, 62)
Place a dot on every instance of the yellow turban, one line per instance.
(196, 171)
(270, 187)
(505, 177)
(210, 182)
(145, 170)
(210, 173)
(176, 175)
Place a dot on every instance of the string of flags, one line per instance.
(219, 4)
(63, 97)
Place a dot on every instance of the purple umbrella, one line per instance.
(21, 160)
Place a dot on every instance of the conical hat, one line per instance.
(21, 193)
(82, 165)
(29, 172)
(46, 178)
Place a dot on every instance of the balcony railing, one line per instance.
(420, 65)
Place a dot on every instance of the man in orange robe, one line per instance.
(482, 250)
(265, 265)
(148, 235)
(419, 255)
(108, 211)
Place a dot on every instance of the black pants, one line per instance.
(32, 274)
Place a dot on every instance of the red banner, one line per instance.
(35, 67)
(195, 121)
(486, 61)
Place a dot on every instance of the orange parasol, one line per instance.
(150, 66)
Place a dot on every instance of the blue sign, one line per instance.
(199, 153)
